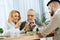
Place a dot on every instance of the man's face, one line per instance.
(51, 8)
(31, 16)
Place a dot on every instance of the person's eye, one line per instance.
(15, 15)
(32, 15)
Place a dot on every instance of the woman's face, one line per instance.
(16, 17)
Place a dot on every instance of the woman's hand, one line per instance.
(18, 24)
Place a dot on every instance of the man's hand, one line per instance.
(39, 34)
(32, 24)
(26, 28)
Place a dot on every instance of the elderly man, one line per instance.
(54, 25)
(31, 24)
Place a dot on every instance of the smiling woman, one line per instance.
(10, 27)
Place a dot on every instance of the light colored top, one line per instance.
(54, 25)
(11, 30)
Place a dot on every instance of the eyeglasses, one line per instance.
(31, 15)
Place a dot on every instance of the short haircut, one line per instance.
(30, 10)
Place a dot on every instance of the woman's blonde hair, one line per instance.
(11, 14)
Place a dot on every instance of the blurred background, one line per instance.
(23, 6)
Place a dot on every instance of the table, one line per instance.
(22, 38)
(26, 37)
(32, 37)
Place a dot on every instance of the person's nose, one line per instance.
(30, 17)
